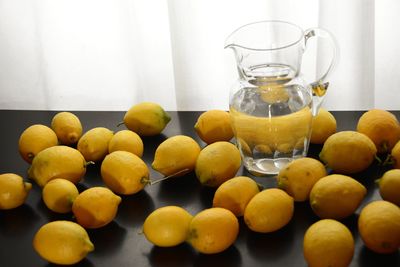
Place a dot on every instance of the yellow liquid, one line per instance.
(268, 142)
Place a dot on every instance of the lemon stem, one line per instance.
(167, 177)
(120, 123)
(89, 163)
(388, 161)
(379, 160)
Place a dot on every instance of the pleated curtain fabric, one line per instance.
(109, 55)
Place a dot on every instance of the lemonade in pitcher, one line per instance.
(272, 125)
(271, 105)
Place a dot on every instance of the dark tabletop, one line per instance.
(121, 243)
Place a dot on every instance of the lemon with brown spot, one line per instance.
(94, 143)
(95, 207)
(389, 186)
(379, 226)
(124, 172)
(126, 140)
(213, 230)
(299, 176)
(62, 242)
(235, 194)
(59, 194)
(214, 125)
(328, 243)
(34, 139)
(176, 155)
(269, 211)
(146, 119)
(67, 127)
(348, 152)
(57, 162)
(323, 125)
(382, 127)
(336, 196)
(13, 191)
(167, 226)
(217, 163)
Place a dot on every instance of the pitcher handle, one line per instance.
(319, 86)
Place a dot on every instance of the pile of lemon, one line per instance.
(60, 154)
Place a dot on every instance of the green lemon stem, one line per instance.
(120, 123)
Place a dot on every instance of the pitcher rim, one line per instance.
(265, 49)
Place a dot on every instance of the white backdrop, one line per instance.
(111, 54)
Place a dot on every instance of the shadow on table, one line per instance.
(83, 263)
(17, 222)
(134, 209)
(107, 240)
(368, 258)
(182, 255)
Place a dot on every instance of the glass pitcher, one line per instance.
(271, 104)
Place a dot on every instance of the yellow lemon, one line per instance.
(336, 196)
(146, 119)
(269, 211)
(214, 125)
(213, 230)
(34, 139)
(57, 162)
(126, 140)
(59, 194)
(299, 176)
(323, 126)
(379, 226)
(235, 194)
(382, 127)
(217, 163)
(95, 207)
(328, 243)
(67, 127)
(167, 226)
(389, 186)
(348, 152)
(395, 155)
(176, 154)
(124, 172)
(13, 191)
(62, 242)
(94, 143)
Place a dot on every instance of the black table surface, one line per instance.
(121, 243)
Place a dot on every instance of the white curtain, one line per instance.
(111, 54)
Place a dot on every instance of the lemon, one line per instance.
(176, 154)
(395, 155)
(59, 194)
(217, 163)
(62, 242)
(323, 126)
(167, 226)
(34, 139)
(67, 127)
(382, 127)
(235, 194)
(299, 176)
(348, 152)
(57, 162)
(213, 230)
(95, 207)
(273, 93)
(13, 191)
(336, 196)
(146, 119)
(214, 125)
(124, 172)
(126, 140)
(379, 226)
(269, 211)
(328, 243)
(94, 143)
(389, 186)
